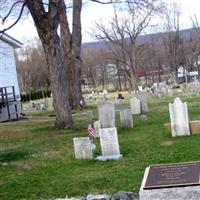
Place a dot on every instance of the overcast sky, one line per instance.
(25, 29)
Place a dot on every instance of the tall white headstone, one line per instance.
(135, 106)
(179, 118)
(106, 112)
(83, 148)
(126, 118)
(109, 144)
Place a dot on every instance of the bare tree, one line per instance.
(95, 66)
(48, 15)
(32, 68)
(123, 33)
(172, 40)
(47, 19)
(195, 43)
(47, 23)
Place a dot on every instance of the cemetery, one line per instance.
(106, 112)
(36, 157)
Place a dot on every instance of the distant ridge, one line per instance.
(185, 34)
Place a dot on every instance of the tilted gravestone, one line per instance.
(179, 118)
(83, 148)
(143, 101)
(97, 127)
(126, 118)
(135, 106)
(109, 144)
(106, 113)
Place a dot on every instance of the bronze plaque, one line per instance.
(173, 175)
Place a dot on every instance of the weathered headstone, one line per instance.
(83, 148)
(163, 88)
(171, 182)
(179, 118)
(126, 118)
(97, 127)
(135, 106)
(143, 101)
(109, 144)
(170, 93)
(37, 106)
(31, 104)
(106, 113)
(89, 116)
(118, 101)
(195, 86)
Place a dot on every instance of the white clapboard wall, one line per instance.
(8, 73)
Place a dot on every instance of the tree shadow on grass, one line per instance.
(13, 155)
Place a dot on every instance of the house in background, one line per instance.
(10, 106)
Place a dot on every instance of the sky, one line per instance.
(25, 30)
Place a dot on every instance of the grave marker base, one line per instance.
(105, 158)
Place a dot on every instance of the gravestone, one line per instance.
(109, 144)
(31, 104)
(97, 127)
(126, 118)
(135, 106)
(118, 101)
(143, 101)
(83, 148)
(195, 86)
(170, 93)
(179, 181)
(89, 116)
(179, 118)
(106, 113)
(37, 106)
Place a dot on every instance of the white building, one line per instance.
(10, 106)
(8, 73)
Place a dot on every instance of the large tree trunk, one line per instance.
(119, 80)
(66, 44)
(134, 81)
(71, 47)
(198, 69)
(47, 26)
(119, 77)
(58, 83)
(77, 40)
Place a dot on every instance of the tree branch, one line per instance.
(16, 21)
(10, 11)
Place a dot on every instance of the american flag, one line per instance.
(91, 131)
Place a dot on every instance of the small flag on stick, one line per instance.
(91, 131)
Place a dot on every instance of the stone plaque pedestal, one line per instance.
(171, 193)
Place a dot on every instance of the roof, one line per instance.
(10, 40)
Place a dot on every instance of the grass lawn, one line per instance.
(37, 161)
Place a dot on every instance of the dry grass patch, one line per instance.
(5, 134)
(167, 142)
